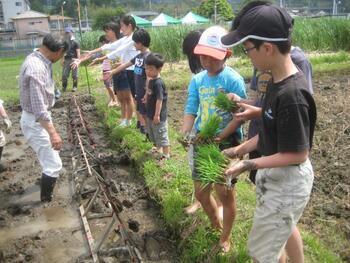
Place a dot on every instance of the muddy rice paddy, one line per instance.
(33, 232)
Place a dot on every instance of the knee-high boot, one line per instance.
(47, 186)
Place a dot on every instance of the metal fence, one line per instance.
(11, 47)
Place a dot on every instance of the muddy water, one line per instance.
(33, 232)
(51, 218)
(29, 230)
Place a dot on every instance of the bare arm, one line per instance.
(242, 149)
(229, 129)
(94, 51)
(188, 122)
(250, 112)
(120, 68)
(55, 138)
(78, 53)
(272, 161)
(156, 118)
(97, 60)
(236, 98)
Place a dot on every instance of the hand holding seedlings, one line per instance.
(231, 152)
(187, 139)
(211, 164)
(225, 103)
(209, 130)
(240, 167)
(233, 97)
(249, 112)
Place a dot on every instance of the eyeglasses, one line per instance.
(245, 51)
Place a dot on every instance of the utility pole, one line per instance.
(79, 18)
(215, 12)
(335, 6)
(62, 14)
(86, 18)
(81, 37)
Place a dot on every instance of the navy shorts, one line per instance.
(120, 82)
(140, 106)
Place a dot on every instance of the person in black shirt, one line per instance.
(156, 105)
(285, 175)
(72, 53)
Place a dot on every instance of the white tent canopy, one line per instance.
(164, 20)
(191, 18)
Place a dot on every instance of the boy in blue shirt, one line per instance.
(202, 91)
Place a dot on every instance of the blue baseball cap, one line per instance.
(68, 30)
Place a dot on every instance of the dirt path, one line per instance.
(33, 232)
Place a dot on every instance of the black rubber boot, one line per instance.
(2, 167)
(75, 85)
(1, 148)
(64, 85)
(47, 186)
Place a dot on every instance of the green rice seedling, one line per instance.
(224, 103)
(211, 164)
(209, 130)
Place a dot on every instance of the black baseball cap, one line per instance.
(264, 22)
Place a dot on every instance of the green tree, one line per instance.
(105, 15)
(223, 9)
(37, 5)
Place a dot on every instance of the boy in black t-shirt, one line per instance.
(142, 41)
(285, 176)
(156, 105)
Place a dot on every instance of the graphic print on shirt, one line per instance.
(262, 83)
(268, 114)
(139, 69)
(208, 108)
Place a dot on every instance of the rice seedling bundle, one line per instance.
(209, 129)
(211, 164)
(224, 103)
